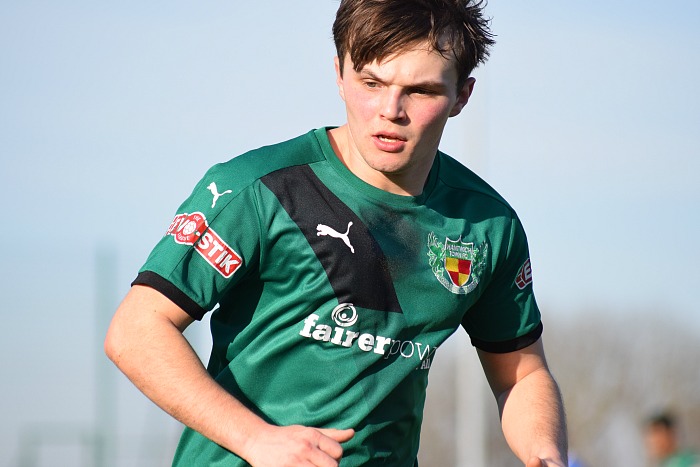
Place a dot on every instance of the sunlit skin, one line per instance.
(396, 112)
(661, 441)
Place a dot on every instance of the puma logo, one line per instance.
(325, 230)
(212, 188)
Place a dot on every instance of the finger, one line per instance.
(318, 458)
(322, 452)
(330, 447)
(535, 462)
(340, 436)
(330, 441)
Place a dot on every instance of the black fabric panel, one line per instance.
(361, 278)
(511, 345)
(175, 295)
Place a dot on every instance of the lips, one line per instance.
(389, 142)
(389, 137)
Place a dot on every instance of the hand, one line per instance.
(537, 462)
(298, 446)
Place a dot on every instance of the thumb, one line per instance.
(535, 462)
(340, 436)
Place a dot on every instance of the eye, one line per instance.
(423, 92)
(371, 84)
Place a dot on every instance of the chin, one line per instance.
(387, 167)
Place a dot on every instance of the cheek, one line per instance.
(358, 103)
(432, 116)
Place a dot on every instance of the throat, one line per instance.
(408, 180)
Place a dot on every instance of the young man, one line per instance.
(663, 443)
(341, 260)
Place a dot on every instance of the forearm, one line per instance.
(533, 420)
(145, 341)
(156, 357)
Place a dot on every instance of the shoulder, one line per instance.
(249, 167)
(460, 182)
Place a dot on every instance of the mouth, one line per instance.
(389, 142)
(390, 138)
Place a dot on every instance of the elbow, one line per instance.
(113, 344)
(109, 346)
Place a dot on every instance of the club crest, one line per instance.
(457, 265)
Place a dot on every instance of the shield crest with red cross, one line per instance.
(458, 261)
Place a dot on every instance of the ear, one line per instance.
(339, 78)
(463, 97)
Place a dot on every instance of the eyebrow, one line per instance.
(431, 85)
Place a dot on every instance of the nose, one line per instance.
(392, 107)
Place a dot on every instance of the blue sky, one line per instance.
(586, 119)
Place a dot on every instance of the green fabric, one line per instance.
(682, 459)
(302, 342)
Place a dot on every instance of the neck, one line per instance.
(407, 182)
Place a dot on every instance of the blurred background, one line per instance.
(586, 118)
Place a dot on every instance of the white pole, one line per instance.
(473, 397)
(471, 400)
(105, 373)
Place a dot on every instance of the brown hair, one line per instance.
(374, 29)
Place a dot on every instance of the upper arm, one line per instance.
(504, 370)
(142, 309)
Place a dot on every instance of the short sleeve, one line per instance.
(506, 318)
(209, 246)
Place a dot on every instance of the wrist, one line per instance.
(247, 443)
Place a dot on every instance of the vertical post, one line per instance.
(473, 397)
(105, 381)
(471, 401)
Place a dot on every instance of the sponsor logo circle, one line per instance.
(189, 228)
(344, 315)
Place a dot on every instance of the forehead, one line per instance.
(419, 62)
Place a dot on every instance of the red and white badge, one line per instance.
(193, 229)
(524, 276)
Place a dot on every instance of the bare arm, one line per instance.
(532, 413)
(145, 341)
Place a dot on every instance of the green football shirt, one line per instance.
(334, 296)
